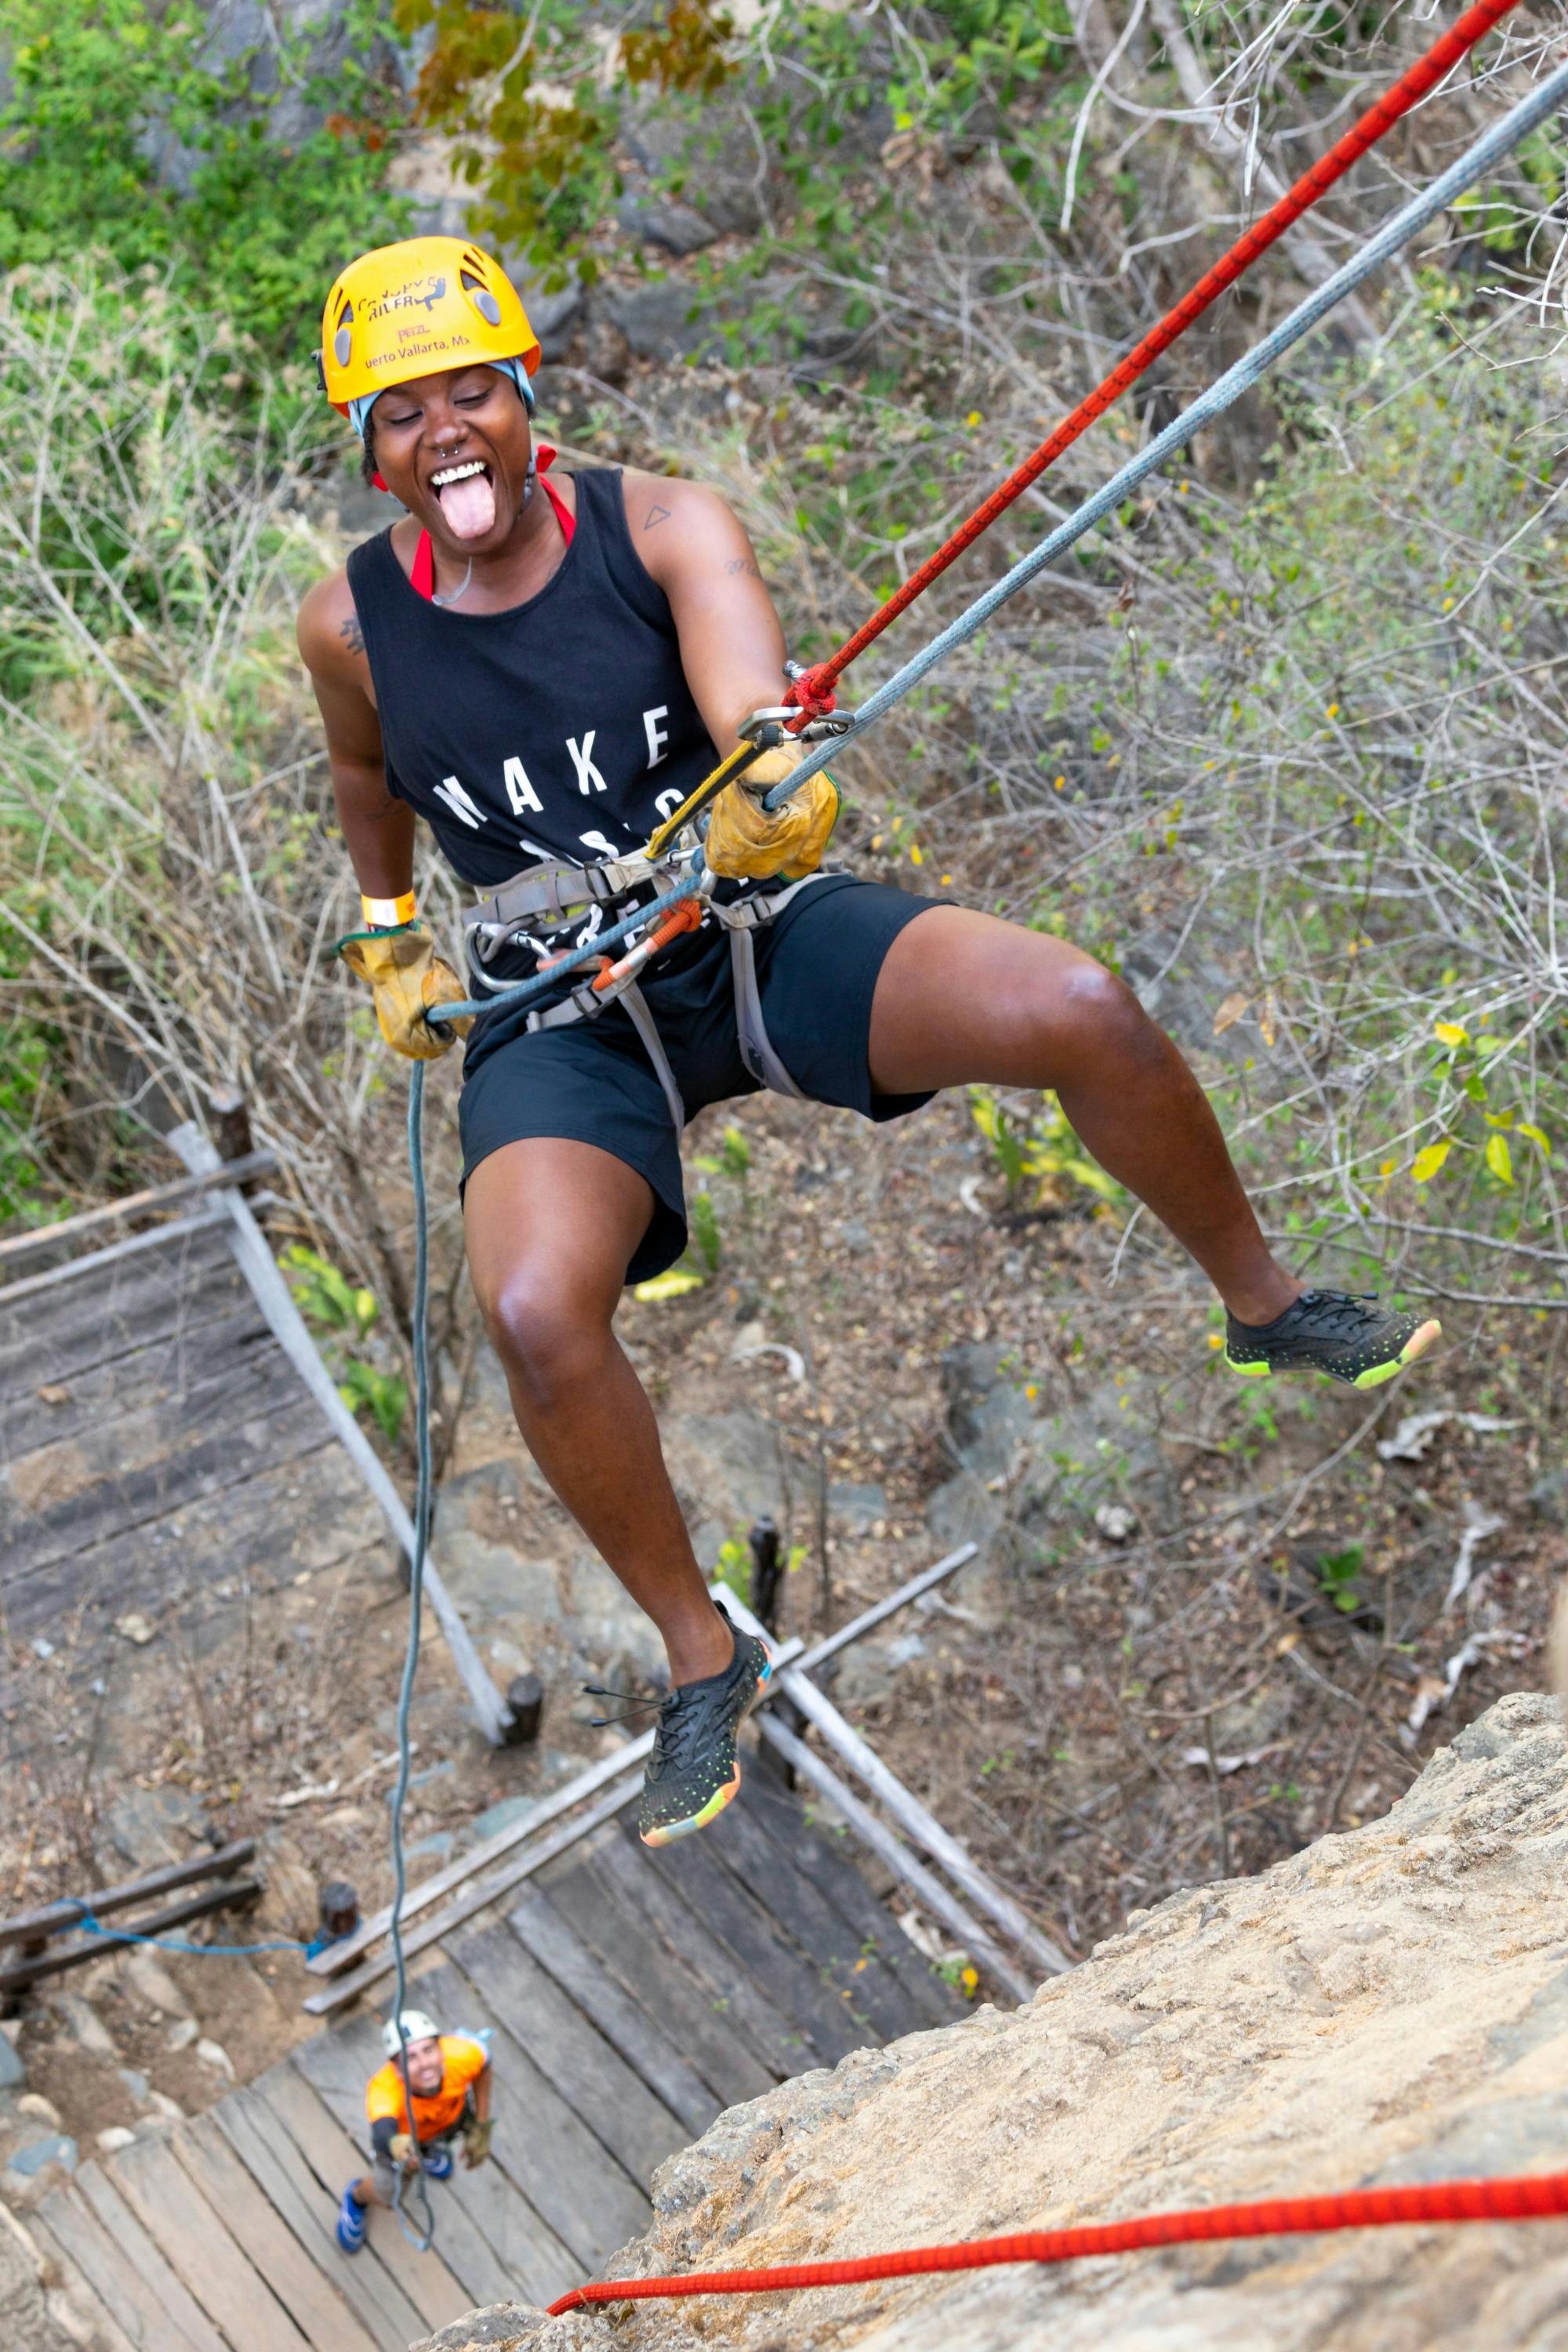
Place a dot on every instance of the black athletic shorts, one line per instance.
(592, 1081)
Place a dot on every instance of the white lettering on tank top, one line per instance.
(451, 791)
(658, 736)
(597, 843)
(588, 776)
(667, 802)
(520, 792)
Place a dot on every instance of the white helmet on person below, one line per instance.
(417, 2027)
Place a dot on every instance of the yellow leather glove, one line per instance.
(404, 2151)
(406, 978)
(477, 2142)
(747, 842)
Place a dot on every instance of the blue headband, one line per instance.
(359, 410)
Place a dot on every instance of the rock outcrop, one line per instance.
(1386, 2005)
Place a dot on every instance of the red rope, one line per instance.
(1527, 2198)
(812, 691)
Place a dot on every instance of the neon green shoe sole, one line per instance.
(1342, 1338)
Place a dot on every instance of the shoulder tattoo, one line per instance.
(352, 634)
(655, 515)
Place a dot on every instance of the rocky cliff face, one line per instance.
(1387, 2005)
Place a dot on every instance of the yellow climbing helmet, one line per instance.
(410, 310)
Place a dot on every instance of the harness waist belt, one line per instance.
(554, 892)
(741, 919)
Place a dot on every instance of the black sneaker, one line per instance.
(1350, 1339)
(694, 1772)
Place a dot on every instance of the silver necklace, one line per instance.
(458, 593)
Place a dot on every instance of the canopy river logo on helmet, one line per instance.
(418, 294)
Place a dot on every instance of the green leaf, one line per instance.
(1499, 1158)
(1536, 1137)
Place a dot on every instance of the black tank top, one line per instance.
(563, 727)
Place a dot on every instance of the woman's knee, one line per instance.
(1088, 1016)
(546, 1331)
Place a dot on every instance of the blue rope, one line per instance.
(1223, 394)
(91, 1925)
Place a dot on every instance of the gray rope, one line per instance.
(1223, 394)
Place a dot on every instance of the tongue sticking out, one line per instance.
(468, 507)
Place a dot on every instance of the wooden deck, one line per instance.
(630, 1997)
(154, 1440)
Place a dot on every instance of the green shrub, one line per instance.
(107, 91)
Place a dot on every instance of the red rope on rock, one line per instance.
(812, 691)
(1528, 2197)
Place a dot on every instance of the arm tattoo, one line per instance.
(739, 564)
(352, 634)
(656, 515)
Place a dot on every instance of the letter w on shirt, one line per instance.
(588, 776)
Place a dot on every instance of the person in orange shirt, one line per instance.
(450, 2075)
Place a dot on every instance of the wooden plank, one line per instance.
(182, 2313)
(821, 1855)
(76, 1331)
(307, 2209)
(476, 1897)
(83, 2297)
(467, 2254)
(742, 2005)
(906, 1864)
(249, 1530)
(758, 1946)
(880, 1611)
(240, 1892)
(872, 1997)
(547, 2149)
(340, 1955)
(152, 1201)
(325, 2317)
(201, 2251)
(644, 1967)
(542, 2265)
(85, 1269)
(50, 1918)
(914, 1819)
(629, 2028)
(160, 1367)
(82, 2243)
(60, 1501)
(424, 2278)
(277, 1302)
(633, 2124)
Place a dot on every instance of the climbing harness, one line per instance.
(555, 891)
(1527, 2197)
(1449, 2202)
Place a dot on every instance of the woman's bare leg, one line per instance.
(551, 1226)
(963, 998)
